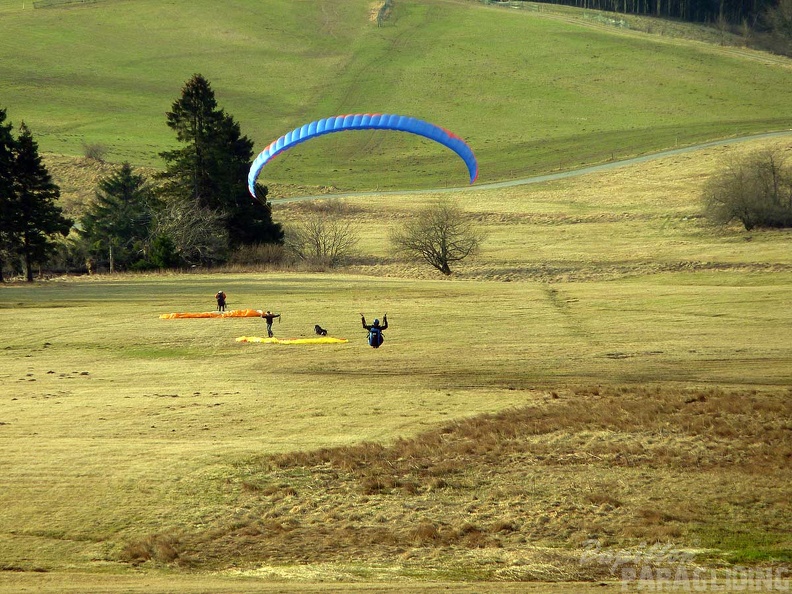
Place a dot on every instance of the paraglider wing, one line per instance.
(316, 340)
(363, 121)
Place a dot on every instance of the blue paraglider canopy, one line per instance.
(363, 121)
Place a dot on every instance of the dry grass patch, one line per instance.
(161, 548)
(621, 465)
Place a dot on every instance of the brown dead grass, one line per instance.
(78, 178)
(157, 547)
(527, 486)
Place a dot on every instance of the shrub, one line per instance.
(258, 254)
(756, 191)
(95, 152)
(323, 238)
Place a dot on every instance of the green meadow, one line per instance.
(610, 371)
(530, 91)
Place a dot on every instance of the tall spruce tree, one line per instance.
(117, 223)
(7, 212)
(39, 217)
(211, 168)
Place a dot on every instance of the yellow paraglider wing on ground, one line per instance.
(317, 340)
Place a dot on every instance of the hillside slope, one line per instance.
(529, 94)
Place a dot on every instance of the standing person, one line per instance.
(269, 316)
(221, 300)
(375, 337)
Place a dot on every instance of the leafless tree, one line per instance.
(323, 236)
(439, 235)
(757, 191)
(198, 234)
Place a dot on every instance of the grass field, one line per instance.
(559, 93)
(633, 366)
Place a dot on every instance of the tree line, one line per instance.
(697, 11)
(198, 209)
(193, 213)
(766, 24)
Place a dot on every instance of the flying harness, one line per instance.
(375, 338)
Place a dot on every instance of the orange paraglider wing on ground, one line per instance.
(236, 313)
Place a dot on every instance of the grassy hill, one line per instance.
(528, 92)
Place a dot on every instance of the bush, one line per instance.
(324, 237)
(95, 152)
(258, 254)
(196, 235)
(756, 191)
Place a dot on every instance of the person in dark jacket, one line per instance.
(375, 337)
(221, 300)
(269, 316)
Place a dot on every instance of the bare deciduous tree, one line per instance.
(439, 235)
(197, 234)
(323, 236)
(757, 191)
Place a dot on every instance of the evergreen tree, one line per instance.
(778, 21)
(7, 212)
(211, 168)
(117, 223)
(34, 196)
